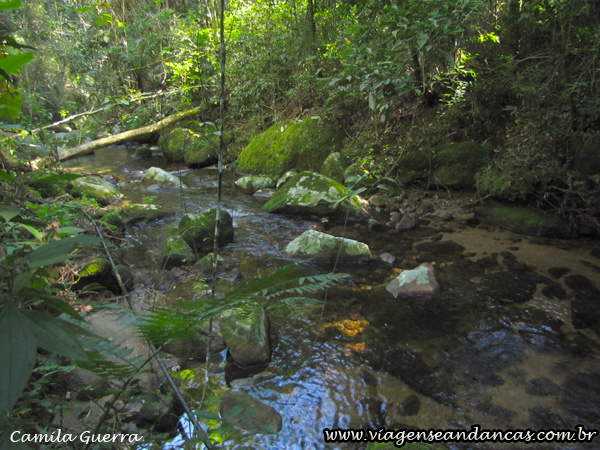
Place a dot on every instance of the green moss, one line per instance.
(527, 220)
(314, 194)
(96, 267)
(301, 145)
(198, 229)
(457, 163)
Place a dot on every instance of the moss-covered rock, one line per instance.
(333, 167)
(160, 176)
(253, 183)
(142, 213)
(314, 194)
(324, 247)
(247, 413)
(176, 143)
(527, 220)
(96, 272)
(194, 149)
(414, 163)
(457, 163)
(143, 152)
(198, 229)
(245, 330)
(176, 252)
(300, 144)
(96, 188)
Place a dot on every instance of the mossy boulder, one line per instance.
(319, 246)
(142, 213)
(245, 330)
(98, 271)
(457, 163)
(175, 144)
(198, 229)
(143, 152)
(527, 220)
(414, 163)
(176, 252)
(292, 144)
(253, 183)
(160, 176)
(314, 194)
(333, 167)
(97, 188)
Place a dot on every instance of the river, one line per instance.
(509, 343)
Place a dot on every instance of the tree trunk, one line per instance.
(138, 133)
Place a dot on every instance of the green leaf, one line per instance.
(4, 175)
(18, 347)
(52, 335)
(422, 40)
(9, 212)
(57, 251)
(13, 63)
(55, 302)
(10, 4)
(32, 230)
(21, 281)
(10, 105)
(206, 415)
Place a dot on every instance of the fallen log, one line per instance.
(138, 133)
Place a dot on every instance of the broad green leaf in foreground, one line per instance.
(18, 347)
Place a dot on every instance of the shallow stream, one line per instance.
(511, 341)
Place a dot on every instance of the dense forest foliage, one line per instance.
(514, 83)
(400, 77)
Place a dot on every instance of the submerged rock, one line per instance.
(248, 413)
(313, 194)
(198, 230)
(419, 281)
(97, 188)
(160, 176)
(142, 212)
(324, 247)
(245, 330)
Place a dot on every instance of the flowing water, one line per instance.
(511, 341)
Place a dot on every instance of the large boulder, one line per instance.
(324, 247)
(97, 188)
(419, 281)
(314, 194)
(246, 412)
(292, 144)
(190, 147)
(245, 330)
(198, 230)
(159, 176)
(457, 163)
